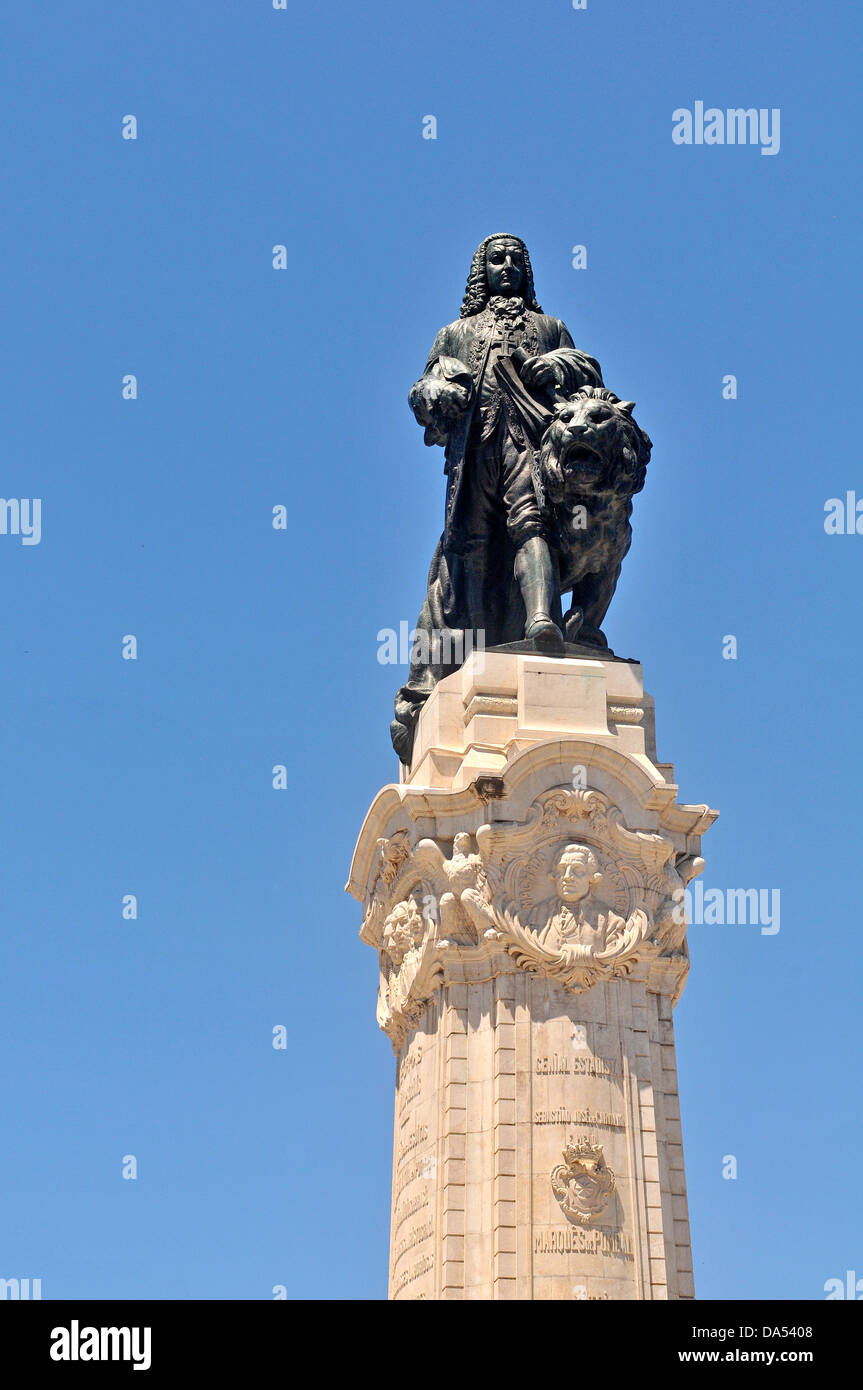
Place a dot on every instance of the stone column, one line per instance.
(523, 887)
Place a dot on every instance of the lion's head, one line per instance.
(593, 446)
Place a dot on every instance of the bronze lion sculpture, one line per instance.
(591, 462)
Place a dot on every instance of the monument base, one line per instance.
(583, 651)
(523, 886)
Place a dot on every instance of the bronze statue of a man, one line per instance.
(495, 382)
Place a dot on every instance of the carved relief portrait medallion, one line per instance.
(578, 916)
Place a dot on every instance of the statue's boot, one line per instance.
(534, 570)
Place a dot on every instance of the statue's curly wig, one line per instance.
(476, 294)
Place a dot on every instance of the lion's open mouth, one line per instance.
(581, 456)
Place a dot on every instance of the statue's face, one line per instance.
(572, 877)
(504, 267)
(461, 844)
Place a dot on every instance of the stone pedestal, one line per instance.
(523, 886)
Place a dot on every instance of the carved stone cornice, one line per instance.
(635, 784)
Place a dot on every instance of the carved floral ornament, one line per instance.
(569, 893)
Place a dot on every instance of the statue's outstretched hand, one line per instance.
(441, 397)
(451, 399)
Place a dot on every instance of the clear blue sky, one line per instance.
(256, 387)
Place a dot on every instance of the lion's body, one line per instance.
(591, 462)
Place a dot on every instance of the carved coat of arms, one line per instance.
(583, 1183)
